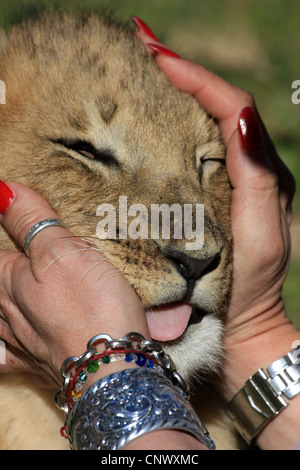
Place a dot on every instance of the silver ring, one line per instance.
(37, 228)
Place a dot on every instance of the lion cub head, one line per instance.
(90, 121)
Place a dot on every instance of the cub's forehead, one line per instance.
(91, 51)
(88, 75)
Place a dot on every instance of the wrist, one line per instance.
(245, 355)
(264, 410)
(264, 404)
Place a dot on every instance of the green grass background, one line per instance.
(252, 43)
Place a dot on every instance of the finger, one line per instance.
(255, 208)
(221, 99)
(250, 171)
(286, 181)
(26, 209)
(16, 282)
(11, 319)
(143, 30)
(225, 102)
(10, 263)
(256, 141)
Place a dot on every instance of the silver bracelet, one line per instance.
(265, 394)
(127, 404)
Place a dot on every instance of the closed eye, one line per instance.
(87, 150)
(212, 159)
(210, 151)
(208, 165)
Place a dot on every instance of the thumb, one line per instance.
(248, 164)
(255, 207)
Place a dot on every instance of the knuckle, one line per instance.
(23, 221)
(249, 98)
(276, 256)
(246, 98)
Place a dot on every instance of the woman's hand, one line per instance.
(263, 189)
(257, 328)
(65, 292)
(55, 300)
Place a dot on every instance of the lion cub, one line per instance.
(90, 120)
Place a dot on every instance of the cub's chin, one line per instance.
(199, 350)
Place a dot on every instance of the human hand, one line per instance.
(55, 300)
(257, 329)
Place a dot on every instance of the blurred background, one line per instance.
(253, 44)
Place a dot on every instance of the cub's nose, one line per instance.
(192, 268)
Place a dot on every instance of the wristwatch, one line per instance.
(265, 394)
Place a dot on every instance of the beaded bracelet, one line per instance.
(133, 342)
(77, 383)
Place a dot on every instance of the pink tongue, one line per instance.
(168, 323)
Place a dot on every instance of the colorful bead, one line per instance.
(75, 394)
(141, 359)
(106, 360)
(92, 367)
(82, 376)
(128, 357)
(78, 386)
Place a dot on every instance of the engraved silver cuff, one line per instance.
(127, 404)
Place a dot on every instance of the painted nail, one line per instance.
(142, 26)
(158, 49)
(6, 197)
(250, 130)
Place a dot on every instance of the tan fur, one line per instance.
(84, 79)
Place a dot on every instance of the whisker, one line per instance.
(80, 240)
(87, 247)
(110, 275)
(63, 254)
(93, 266)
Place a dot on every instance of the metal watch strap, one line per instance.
(265, 394)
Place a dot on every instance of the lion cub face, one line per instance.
(89, 118)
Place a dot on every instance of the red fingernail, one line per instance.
(142, 26)
(250, 130)
(157, 49)
(6, 197)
